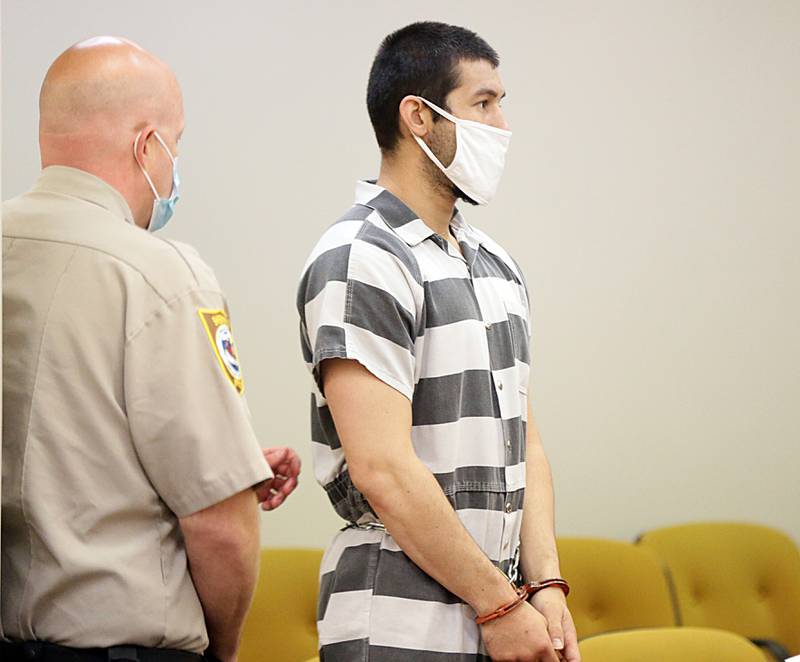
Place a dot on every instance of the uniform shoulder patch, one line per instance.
(218, 329)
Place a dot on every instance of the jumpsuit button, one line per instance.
(500, 386)
(488, 325)
(508, 444)
(508, 507)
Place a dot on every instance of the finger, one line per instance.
(278, 482)
(283, 460)
(571, 651)
(270, 502)
(284, 470)
(274, 486)
(290, 470)
(551, 656)
(295, 464)
(288, 487)
(555, 628)
(263, 490)
(290, 466)
(284, 487)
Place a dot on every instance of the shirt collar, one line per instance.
(84, 186)
(406, 224)
(464, 232)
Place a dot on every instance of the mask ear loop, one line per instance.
(441, 111)
(424, 146)
(458, 121)
(164, 145)
(430, 153)
(173, 160)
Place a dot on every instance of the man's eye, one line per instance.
(482, 104)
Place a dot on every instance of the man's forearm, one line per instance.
(419, 517)
(223, 556)
(538, 553)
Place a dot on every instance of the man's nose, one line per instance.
(499, 121)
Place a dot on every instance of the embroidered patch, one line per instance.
(218, 328)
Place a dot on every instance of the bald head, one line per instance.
(101, 104)
(106, 82)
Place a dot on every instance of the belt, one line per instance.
(366, 526)
(41, 651)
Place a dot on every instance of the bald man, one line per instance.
(128, 452)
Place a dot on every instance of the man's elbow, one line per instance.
(379, 482)
(230, 528)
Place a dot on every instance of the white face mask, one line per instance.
(480, 156)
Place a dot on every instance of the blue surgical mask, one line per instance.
(163, 208)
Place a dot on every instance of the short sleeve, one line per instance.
(361, 301)
(526, 300)
(523, 293)
(188, 418)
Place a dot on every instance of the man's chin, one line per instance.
(463, 196)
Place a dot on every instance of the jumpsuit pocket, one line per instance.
(518, 329)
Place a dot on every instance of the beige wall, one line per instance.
(652, 196)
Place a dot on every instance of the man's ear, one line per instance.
(143, 143)
(415, 117)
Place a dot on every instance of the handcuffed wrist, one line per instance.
(524, 592)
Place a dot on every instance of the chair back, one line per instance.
(744, 578)
(614, 586)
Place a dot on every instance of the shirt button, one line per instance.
(500, 386)
(508, 444)
(488, 325)
(508, 507)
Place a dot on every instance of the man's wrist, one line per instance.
(548, 596)
(545, 567)
(495, 592)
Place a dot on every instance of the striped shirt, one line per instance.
(449, 330)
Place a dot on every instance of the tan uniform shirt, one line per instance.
(123, 411)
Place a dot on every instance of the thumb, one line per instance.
(556, 631)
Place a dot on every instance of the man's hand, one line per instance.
(521, 636)
(285, 464)
(552, 604)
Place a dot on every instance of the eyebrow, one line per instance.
(490, 91)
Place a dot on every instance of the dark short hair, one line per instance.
(421, 59)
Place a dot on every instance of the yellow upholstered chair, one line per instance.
(282, 623)
(738, 577)
(676, 644)
(614, 586)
